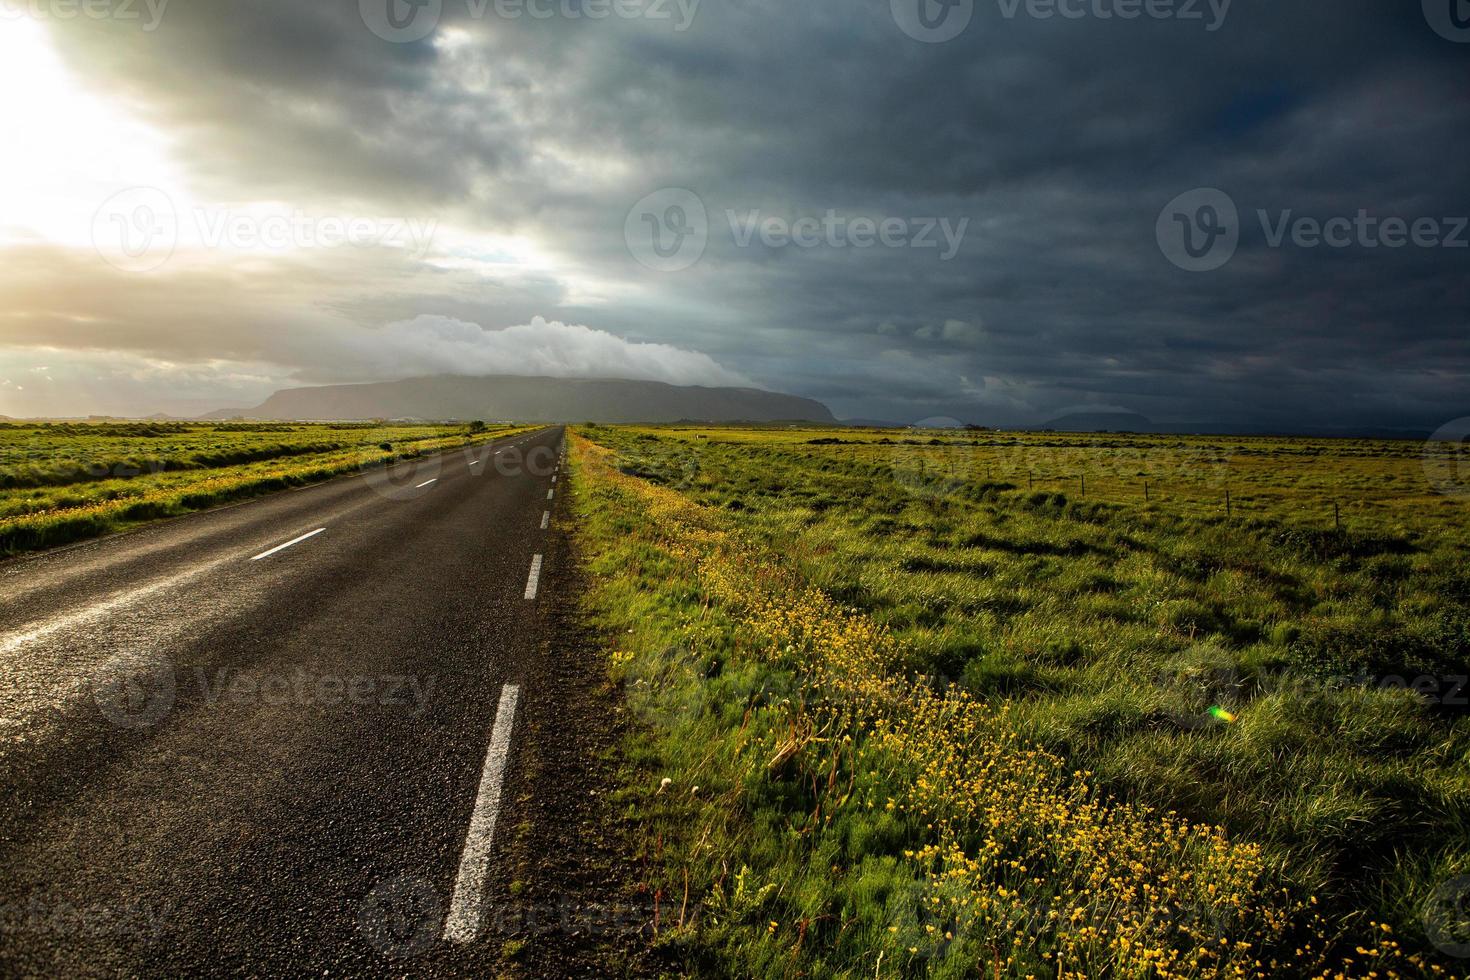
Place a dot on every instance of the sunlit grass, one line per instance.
(1224, 669)
(60, 483)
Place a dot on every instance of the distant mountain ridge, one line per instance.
(1102, 422)
(525, 399)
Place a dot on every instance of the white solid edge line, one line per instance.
(533, 582)
(283, 547)
(465, 917)
(426, 483)
(545, 519)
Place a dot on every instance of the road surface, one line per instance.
(273, 738)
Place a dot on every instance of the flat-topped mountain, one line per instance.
(533, 400)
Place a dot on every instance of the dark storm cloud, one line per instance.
(1058, 140)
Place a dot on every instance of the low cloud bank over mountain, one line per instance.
(543, 349)
(535, 400)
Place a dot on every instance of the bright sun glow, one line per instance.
(68, 148)
(73, 150)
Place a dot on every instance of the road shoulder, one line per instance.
(571, 895)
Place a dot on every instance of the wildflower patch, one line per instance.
(825, 811)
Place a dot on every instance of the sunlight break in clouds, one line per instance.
(442, 345)
(67, 146)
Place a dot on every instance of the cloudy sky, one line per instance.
(996, 210)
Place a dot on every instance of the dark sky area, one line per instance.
(998, 211)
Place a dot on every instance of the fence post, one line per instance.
(1145, 491)
(1227, 502)
(1336, 516)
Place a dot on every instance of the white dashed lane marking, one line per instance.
(533, 582)
(283, 547)
(466, 907)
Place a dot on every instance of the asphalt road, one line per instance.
(220, 757)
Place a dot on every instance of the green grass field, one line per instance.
(60, 482)
(995, 612)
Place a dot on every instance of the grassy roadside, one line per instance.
(567, 894)
(829, 812)
(65, 484)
